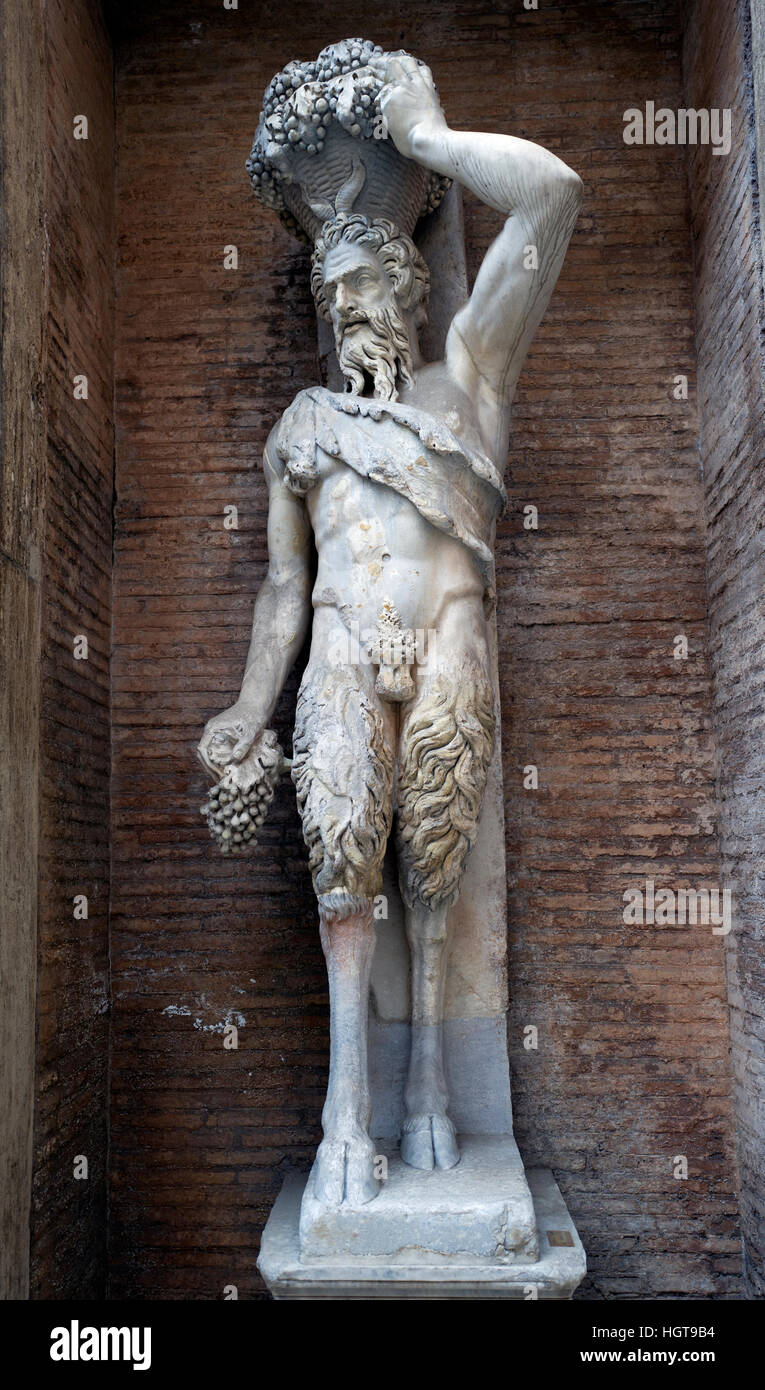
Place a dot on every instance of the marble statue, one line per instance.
(396, 482)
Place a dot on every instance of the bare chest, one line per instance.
(374, 548)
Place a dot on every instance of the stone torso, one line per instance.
(374, 545)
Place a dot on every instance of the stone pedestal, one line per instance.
(481, 1208)
(483, 1229)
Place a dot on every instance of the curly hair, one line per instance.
(447, 743)
(343, 774)
(396, 251)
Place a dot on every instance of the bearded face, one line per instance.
(371, 334)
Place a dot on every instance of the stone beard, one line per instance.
(376, 344)
(373, 333)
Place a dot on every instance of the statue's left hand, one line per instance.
(408, 101)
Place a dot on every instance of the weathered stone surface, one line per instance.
(555, 1275)
(475, 1059)
(481, 1209)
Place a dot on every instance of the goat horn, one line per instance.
(352, 187)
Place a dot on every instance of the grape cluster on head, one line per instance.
(303, 101)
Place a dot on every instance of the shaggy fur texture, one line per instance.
(343, 774)
(446, 746)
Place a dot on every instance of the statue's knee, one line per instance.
(338, 905)
(347, 931)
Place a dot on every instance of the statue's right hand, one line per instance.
(227, 738)
(408, 100)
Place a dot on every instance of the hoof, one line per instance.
(344, 1172)
(429, 1141)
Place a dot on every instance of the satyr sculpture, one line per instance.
(397, 482)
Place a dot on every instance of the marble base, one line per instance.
(482, 1208)
(428, 1273)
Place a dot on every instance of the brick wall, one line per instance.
(632, 1067)
(729, 310)
(22, 473)
(68, 1214)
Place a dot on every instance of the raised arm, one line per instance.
(279, 625)
(540, 195)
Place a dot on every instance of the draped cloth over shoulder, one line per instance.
(454, 487)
